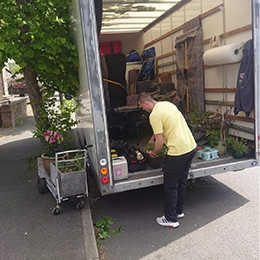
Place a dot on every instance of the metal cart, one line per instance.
(67, 180)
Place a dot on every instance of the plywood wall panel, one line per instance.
(192, 9)
(237, 13)
(208, 5)
(166, 25)
(213, 77)
(167, 45)
(178, 18)
(212, 25)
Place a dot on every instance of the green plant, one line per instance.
(205, 120)
(150, 147)
(79, 160)
(103, 228)
(72, 164)
(54, 125)
(237, 144)
(214, 124)
(37, 36)
(213, 137)
(120, 229)
(31, 164)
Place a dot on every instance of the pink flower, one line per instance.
(57, 136)
(52, 137)
(47, 133)
(51, 140)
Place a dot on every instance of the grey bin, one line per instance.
(71, 183)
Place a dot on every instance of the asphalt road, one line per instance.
(221, 221)
(28, 230)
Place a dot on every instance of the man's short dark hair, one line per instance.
(144, 97)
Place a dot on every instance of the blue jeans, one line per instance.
(176, 170)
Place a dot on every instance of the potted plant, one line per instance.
(54, 129)
(69, 169)
(251, 150)
(237, 145)
(213, 125)
(158, 161)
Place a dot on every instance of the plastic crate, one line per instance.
(199, 152)
(209, 154)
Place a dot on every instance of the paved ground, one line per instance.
(221, 221)
(28, 230)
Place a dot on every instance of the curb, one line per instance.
(91, 250)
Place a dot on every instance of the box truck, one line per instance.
(199, 46)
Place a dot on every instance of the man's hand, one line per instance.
(153, 155)
(152, 140)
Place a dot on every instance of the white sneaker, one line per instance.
(166, 223)
(181, 215)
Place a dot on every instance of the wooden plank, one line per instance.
(209, 12)
(163, 36)
(170, 71)
(242, 128)
(212, 11)
(230, 33)
(186, 60)
(220, 90)
(166, 64)
(237, 31)
(206, 41)
(219, 103)
(168, 54)
(240, 118)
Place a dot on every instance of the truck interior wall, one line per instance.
(218, 18)
(129, 41)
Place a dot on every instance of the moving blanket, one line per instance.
(191, 75)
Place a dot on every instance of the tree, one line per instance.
(36, 34)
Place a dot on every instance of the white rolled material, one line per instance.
(230, 53)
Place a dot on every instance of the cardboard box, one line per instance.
(120, 168)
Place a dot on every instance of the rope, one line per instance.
(114, 82)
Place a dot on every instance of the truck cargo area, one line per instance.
(190, 55)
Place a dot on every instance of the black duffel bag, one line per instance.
(135, 158)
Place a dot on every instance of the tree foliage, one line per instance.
(36, 34)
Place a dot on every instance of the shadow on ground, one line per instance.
(28, 229)
(136, 211)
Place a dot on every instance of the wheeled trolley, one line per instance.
(67, 180)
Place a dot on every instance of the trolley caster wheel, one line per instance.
(42, 188)
(80, 205)
(56, 211)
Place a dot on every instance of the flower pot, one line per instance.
(156, 162)
(221, 148)
(21, 92)
(237, 154)
(46, 162)
(250, 153)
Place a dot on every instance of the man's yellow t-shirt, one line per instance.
(166, 119)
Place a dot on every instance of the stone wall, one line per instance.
(1, 87)
(14, 112)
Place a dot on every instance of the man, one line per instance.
(170, 127)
